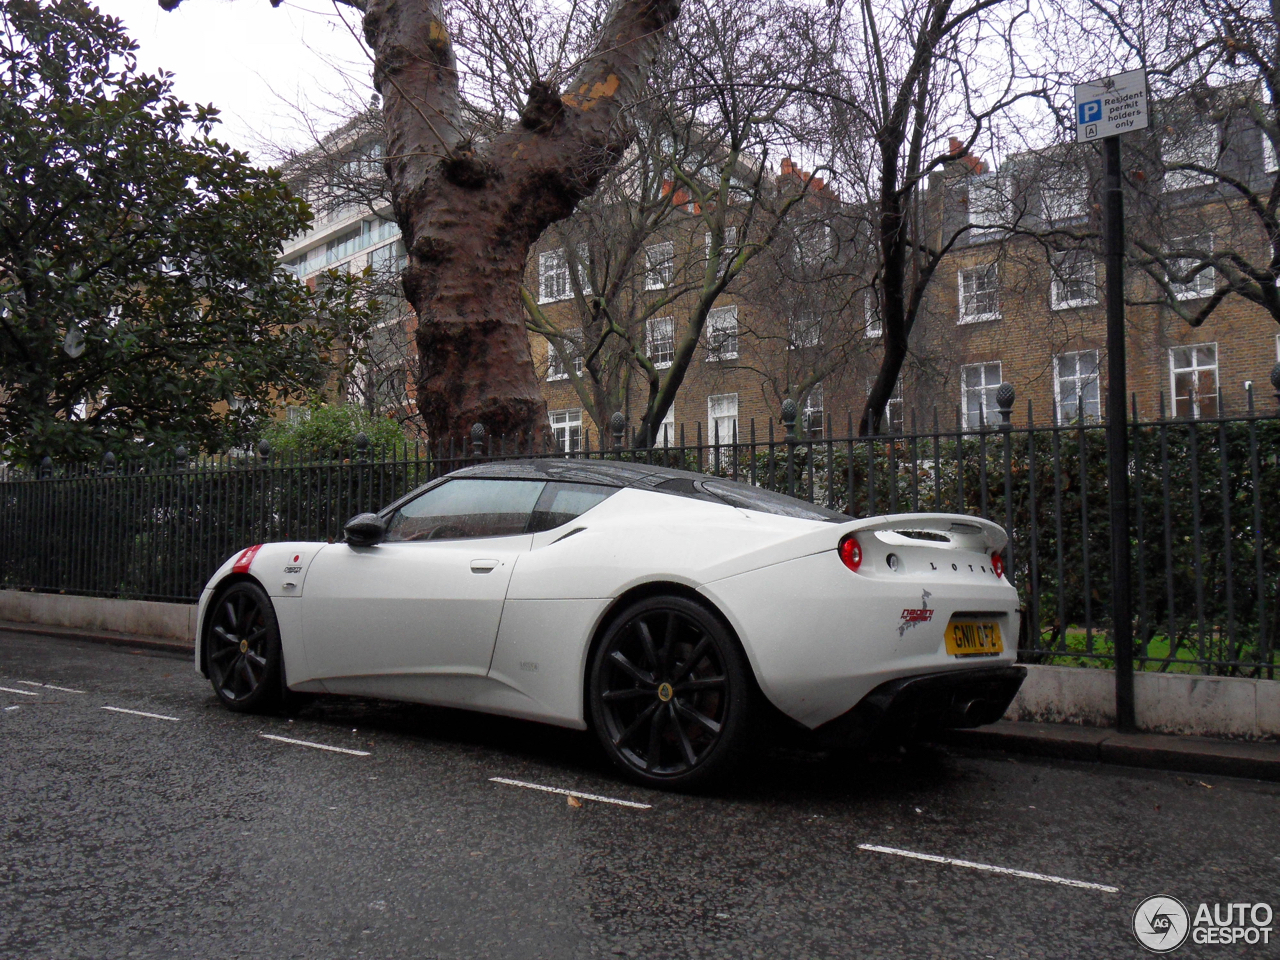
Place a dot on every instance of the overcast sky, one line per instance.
(253, 62)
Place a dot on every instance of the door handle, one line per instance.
(483, 566)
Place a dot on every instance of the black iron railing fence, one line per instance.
(1205, 518)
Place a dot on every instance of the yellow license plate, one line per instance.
(974, 639)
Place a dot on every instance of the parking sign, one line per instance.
(1111, 106)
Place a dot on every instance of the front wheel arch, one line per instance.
(223, 585)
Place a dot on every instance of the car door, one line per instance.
(428, 599)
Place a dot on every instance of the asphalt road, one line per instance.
(197, 837)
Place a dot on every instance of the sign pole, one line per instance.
(1118, 433)
(1106, 108)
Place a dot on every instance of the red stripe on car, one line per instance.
(245, 560)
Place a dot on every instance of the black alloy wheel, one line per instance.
(671, 694)
(242, 642)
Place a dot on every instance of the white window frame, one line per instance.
(813, 242)
(562, 428)
(1194, 368)
(1058, 280)
(730, 242)
(1199, 145)
(659, 265)
(1061, 204)
(895, 409)
(985, 390)
(668, 424)
(722, 408)
(656, 340)
(873, 322)
(1087, 387)
(814, 405)
(964, 299)
(722, 334)
(1205, 282)
(555, 362)
(804, 329)
(553, 276)
(986, 204)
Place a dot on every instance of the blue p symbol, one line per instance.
(1090, 112)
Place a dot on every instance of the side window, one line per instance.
(562, 502)
(462, 509)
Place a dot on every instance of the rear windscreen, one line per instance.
(766, 501)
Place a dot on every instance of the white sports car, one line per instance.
(668, 611)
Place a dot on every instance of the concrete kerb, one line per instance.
(1172, 703)
(154, 644)
(1198, 755)
(117, 621)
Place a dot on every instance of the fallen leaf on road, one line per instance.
(573, 801)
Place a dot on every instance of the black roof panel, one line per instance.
(685, 483)
(610, 473)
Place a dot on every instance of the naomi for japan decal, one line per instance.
(914, 616)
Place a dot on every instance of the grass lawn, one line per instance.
(1077, 653)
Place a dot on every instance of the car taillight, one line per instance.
(851, 552)
(997, 564)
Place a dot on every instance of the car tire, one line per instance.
(672, 697)
(242, 647)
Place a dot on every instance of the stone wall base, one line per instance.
(141, 618)
(1178, 703)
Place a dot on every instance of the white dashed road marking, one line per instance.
(48, 686)
(572, 793)
(314, 746)
(1025, 874)
(25, 693)
(140, 713)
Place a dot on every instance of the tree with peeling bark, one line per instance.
(911, 90)
(472, 198)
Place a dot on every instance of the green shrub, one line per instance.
(328, 431)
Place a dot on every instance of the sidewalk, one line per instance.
(1226, 758)
(101, 636)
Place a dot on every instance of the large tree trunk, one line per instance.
(470, 210)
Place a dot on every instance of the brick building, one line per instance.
(1017, 300)
(1026, 302)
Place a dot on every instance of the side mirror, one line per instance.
(364, 530)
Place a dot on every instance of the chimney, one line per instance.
(786, 166)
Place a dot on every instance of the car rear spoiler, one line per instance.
(961, 531)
